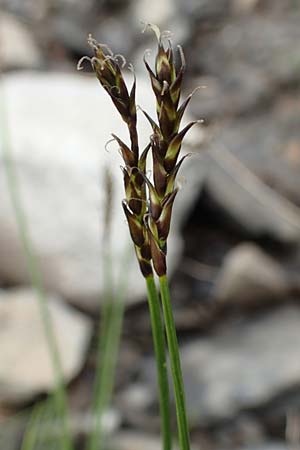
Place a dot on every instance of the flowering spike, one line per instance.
(150, 235)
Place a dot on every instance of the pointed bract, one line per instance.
(143, 159)
(128, 156)
(173, 174)
(155, 204)
(162, 65)
(160, 175)
(175, 146)
(158, 256)
(135, 227)
(164, 221)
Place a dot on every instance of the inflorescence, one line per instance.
(148, 203)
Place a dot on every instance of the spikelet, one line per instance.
(166, 140)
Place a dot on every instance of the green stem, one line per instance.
(108, 346)
(36, 280)
(32, 428)
(160, 354)
(183, 431)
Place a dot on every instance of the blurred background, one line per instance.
(235, 261)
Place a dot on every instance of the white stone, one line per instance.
(59, 125)
(244, 6)
(250, 276)
(26, 368)
(135, 441)
(154, 11)
(18, 48)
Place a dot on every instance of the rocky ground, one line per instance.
(235, 275)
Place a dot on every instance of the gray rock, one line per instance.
(128, 440)
(242, 366)
(245, 364)
(134, 441)
(261, 42)
(26, 368)
(119, 32)
(204, 9)
(249, 276)
(68, 30)
(84, 423)
(247, 429)
(59, 125)
(258, 209)
(71, 24)
(231, 92)
(269, 145)
(135, 398)
(48, 428)
(267, 446)
(136, 401)
(77, 5)
(244, 6)
(18, 48)
(28, 9)
(244, 62)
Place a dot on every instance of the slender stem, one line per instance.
(160, 353)
(183, 431)
(108, 347)
(32, 428)
(36, 280)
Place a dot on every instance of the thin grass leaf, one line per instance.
(32, 431)
(109, 339)
(35, 275)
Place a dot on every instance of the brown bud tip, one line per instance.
(158, 255)
(144, 263)
(135, 227)
(145, 267)
(159, 260)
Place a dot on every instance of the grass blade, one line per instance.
(34, 273)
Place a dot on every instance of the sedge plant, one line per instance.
(148, 202)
